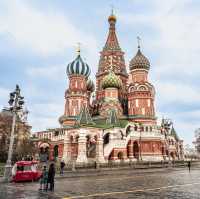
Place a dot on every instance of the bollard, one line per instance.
(73, 166)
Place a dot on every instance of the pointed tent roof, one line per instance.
(112, 41)
(112, 119)
(84, 117)
(174, 134)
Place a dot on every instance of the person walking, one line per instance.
(62, 165)
(44, 179)
(95, 164)
(189, 165)
(51, 176)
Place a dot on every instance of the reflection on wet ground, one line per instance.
(159, 183)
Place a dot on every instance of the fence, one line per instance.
(119, 165)
(1, 170)
(135, 165)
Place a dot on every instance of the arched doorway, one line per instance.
(135, 150)
(91, 146)
(128, 130)
(172, 155)
(120, 156)
(106, 138)
(44, 152)
(55, 152)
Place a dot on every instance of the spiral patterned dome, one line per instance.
(111, 81)
(139, 62)
(78, 67)
(90, 85)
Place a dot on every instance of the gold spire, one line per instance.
(112, 17)
(112, 9)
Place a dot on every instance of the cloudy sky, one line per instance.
(38, 39)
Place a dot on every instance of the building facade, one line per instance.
(114, 120)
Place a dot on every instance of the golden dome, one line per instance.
(112, 17)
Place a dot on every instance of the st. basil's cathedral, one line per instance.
(114, 120)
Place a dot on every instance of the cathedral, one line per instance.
(113, 119)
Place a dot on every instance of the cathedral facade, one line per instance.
(114, 120)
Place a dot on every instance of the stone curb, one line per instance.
(103, 172)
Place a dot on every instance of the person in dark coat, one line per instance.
(189, 165)
(51, 175)
(62, 165)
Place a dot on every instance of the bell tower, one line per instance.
(141, 93)
(112, 53)
(77, 95)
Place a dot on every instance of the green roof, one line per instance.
(112, 118)
(102, 123)
(84, 117)
(173, 133)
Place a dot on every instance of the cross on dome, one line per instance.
(138, 40)
(112, 9)
(78, 48)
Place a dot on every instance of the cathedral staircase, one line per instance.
(115, 144)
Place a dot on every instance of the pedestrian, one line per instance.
(44, 179)
(62, 165)
(51, 175)
(95, 164)
(189, 165)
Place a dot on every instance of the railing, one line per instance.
(128, 165)
(1, 170)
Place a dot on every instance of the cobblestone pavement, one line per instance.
(159, 183)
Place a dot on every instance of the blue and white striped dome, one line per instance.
(78, 67)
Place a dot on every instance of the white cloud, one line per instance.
(45, 115)
(51, 72)
(44, 33)
(177, 92)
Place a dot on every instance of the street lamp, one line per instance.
(140, 125)
(16, 102)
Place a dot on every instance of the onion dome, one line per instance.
(78, 67)
(112, 17)
(139, 61)
(90, 85)
(111, 81)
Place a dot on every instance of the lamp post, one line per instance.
(140, 124)
(16, 104)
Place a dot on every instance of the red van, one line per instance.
(26, 171)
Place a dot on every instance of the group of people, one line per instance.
(48, 178)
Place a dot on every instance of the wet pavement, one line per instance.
(129, 184)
